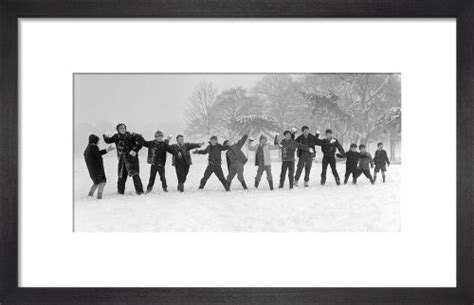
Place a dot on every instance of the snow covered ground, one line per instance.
(330, 208)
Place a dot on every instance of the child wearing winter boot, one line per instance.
(381, 161)
(214, 150)
(157, 150)
(365, 163)
(262, 159)
(95, 165)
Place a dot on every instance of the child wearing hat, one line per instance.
(95, 165)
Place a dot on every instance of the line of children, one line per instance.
(128, 145)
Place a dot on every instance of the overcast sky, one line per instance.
(145, 102)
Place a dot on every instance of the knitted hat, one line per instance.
(158, 133)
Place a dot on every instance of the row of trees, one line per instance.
(357, 107)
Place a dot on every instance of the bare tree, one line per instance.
(199, 114)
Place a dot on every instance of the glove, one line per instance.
(108, 134)
(110, 148)
(388, 164)
(294, 130)
(311, 150)
(332, 141)
(340, 156)
(318, 132)
(133, 153)
(195, 152)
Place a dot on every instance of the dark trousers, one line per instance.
(161, 171)
(331, 161)
(182, 171)
(213, 169)
(366, 173)
(136, 181)
(290, 167)
(305, 161)
(350, 170)
(236, 168)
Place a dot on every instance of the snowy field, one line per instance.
(330, 208)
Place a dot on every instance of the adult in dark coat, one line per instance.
(182, 159)
(288, 148)
(305, 157)
(236, 160)
(157, 151)
(214, 150)
(128, 145)
(329, 145)
(95, 165)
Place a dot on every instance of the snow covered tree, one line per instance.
(281, 95)
(230, 107)
(257, 124)
(200, 116)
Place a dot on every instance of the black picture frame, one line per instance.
(11, 10)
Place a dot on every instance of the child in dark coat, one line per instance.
(236, 160)
(288, 147)
(328, 147)
(214, 150)
(182, 159)
(381, 161)
(305, 157)
(365, 163)
(352, 161)
(95, 165)
(157, 150)
(128, 145)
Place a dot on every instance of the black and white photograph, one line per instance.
(237, 152)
